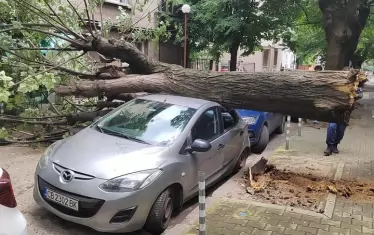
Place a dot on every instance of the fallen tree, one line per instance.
(324, 96)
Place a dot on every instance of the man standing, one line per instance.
(335, 132)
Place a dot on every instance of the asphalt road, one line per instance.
(21, 162)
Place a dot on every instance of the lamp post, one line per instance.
(185, 9)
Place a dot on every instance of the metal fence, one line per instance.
(201, 64)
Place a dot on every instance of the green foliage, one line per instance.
(26, 70)
(308, 40)
(216, 25)
(6, 83)
(3, 133)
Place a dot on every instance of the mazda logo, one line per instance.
(67, 175)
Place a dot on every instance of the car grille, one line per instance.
(88, 206)
(77, 175)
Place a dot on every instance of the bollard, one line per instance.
(202, 213)
(288, 132)
(299, 127)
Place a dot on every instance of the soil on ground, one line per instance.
(304, 190)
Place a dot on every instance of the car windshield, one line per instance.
(147, 121)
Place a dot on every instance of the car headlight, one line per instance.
(43, 162)
(250, 120)
(130, 182)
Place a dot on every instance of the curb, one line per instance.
(331, 198)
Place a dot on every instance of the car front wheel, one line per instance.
(160, 214)
(262, 142)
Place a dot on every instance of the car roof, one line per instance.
(177, 100)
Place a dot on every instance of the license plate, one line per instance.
(61, 199)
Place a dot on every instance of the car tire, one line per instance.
(242, 160)
(262, 142)
(280, 129)
(160, 214)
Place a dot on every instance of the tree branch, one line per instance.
(79, 16)
(43, 48)
(45, 17)
(58, 18)
(73, 42)
(88, 18)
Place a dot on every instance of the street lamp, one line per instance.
(185, 9)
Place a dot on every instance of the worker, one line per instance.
(335, 131)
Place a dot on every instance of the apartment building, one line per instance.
(145, 18)
(274, 57)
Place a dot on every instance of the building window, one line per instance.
(275, 57)
(265, 58)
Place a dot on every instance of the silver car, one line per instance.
(139, 163)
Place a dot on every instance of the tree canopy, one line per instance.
(228, 25)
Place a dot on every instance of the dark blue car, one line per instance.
(260, 126)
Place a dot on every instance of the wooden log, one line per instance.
(325, 96)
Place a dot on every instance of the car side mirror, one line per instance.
(199, 145)
(97, 118)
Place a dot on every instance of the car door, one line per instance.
(233, 134)
(208, 127)
(271, 120)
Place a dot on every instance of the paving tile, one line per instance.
(307, 229)
(344, 231)
(320, 226)
(351, 226)
(278, 229)
(261, 232)
(293, 232)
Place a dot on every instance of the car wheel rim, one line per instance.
(168, 210)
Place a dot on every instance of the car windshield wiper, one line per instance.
(110, 132)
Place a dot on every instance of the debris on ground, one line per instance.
(303, 190)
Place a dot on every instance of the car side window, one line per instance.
(229, 118)
(207, 126)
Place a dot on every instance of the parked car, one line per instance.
(260, 126)
(139, 163)
(12, 222)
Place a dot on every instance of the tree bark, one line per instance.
(324, 96)
(343, 23)
(234, 56)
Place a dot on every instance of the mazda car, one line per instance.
(136, 165)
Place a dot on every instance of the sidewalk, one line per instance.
(228, 216)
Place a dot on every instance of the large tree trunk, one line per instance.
(324, 96)
(234, 56)
(343, 23)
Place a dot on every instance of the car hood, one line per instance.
(104, 156)
(249, 113)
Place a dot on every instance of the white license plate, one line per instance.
(61, 199)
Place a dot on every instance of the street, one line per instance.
(21, 162)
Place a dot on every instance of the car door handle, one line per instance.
(221, 146)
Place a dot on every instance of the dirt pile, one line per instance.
(304, 190)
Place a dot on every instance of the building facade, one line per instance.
(274, 57)
(145, 18)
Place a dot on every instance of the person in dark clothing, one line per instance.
(335, 131)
